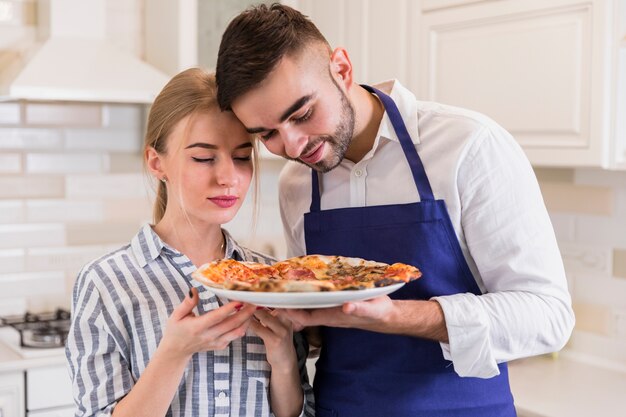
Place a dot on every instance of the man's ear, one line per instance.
(341, 67)
(153, 162)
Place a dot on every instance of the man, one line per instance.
(398, 180)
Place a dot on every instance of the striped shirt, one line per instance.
(120, 305)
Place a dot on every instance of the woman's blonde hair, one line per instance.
(189, 92)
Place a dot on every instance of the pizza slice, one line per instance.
(234, 275)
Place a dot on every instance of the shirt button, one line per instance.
(358, 172)
(222, 394)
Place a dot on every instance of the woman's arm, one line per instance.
(286, 395)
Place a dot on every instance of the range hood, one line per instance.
(75, 62)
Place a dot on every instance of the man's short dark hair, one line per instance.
(253, 44)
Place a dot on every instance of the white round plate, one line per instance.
(320, 299)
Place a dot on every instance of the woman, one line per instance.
(148, 340)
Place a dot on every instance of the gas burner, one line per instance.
(41, 330)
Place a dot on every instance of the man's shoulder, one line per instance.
(461, 126)
(445, 113)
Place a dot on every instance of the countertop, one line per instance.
(12, 361)
(564, 387)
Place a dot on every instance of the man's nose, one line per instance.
(294, 142)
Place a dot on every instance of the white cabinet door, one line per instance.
(180, 34)
(537, 67)
(48, 387)
(12, 394)
(377, 34)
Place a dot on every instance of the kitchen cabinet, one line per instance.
(181, 34)
(377, 35)
(185, 33)
(12, 394)
(49, 390)
(546, 70)
(37, 392)
(553, 72)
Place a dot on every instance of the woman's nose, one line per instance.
(227, 174)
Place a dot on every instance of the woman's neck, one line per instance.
(200, 243)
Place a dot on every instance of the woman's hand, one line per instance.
(186, 333)
(277, 335)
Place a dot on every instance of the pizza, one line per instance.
(304, 274)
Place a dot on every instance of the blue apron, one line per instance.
(361, 373)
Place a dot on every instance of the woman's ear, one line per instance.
(153, 162)
(341, 67)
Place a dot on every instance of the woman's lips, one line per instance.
(224, 201)
(315, 156)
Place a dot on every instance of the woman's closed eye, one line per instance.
(242, 158)
(203, 160)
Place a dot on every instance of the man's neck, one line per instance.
(368, 112)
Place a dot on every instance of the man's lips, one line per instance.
(224, 201)
(315, 155)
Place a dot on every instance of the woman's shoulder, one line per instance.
(236, 250)
(107, 264)
(254, 256)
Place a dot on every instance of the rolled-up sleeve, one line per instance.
(526, 307)
(100, 374)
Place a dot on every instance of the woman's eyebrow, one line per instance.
(201, 145)
(210, 146)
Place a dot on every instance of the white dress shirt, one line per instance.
(498, 214)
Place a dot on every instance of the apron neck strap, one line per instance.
(315, 191)
(415, 163)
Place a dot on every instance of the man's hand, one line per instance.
(417, 318)
(368, 315)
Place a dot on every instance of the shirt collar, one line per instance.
(147, 246)
(407, 104)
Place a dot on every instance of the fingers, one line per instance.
(272, 320)
(222, 341)
(226, 319)
(221, 314)
(260, 330)
(299, 318)
(186, 307)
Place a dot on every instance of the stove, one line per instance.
(40, 334)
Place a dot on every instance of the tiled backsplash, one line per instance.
(588, 211)
(72, 188)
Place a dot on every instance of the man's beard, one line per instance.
(338, 142)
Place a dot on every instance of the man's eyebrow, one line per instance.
(295, 106)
